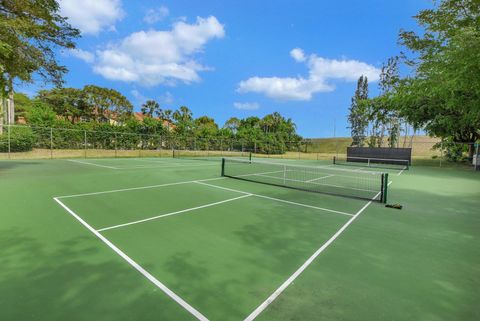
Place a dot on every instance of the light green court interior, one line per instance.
(224, 245)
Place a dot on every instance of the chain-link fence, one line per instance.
(23, 142)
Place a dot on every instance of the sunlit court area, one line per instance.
(198, 180)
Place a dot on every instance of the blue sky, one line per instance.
(238, 58)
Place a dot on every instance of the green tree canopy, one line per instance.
(358, 117)
(151, 107)
(30, 31)
(92, 102)
(183, 120)
(443, 96)
(70, 103)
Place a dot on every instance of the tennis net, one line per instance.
(210, 155)
(327, 180)
(400, 164)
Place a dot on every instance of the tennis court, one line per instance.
(173, 239)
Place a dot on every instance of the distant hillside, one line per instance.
(422, 145)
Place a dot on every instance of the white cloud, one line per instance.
(321, 72)
(246, 106)
(298, 54)
(82, 54)
(92, 16)
(159, 57)
(155, 15)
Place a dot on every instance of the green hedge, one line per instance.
(21, 140)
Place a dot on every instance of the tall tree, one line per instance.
(183, 120)
(165, 115)
(205, 127)
(382, 114)
(358, 117)
(30, 31)
(232, 124)
(150, 107)
(70, 103)
(107, 102)
(443, 95)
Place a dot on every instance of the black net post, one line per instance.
(384, 187)
(223, 167)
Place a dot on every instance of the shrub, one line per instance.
(22, 139)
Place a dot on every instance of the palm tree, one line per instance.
(150, 107)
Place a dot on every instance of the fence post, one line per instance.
(141, 146)
(51, 143)
(9, 143)
(160, 146)
(85, 142)
(441, 153)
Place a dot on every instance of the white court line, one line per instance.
(274, 199)
(293, 162)
(261, 173)
(91, 164)
(136, 266)
(302, 268)
(155, 160)
(303, 166)
(173, 213)
(315, 179)
(165, 166)
(400, 172)
(140, 188)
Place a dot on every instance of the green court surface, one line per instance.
(170, 239)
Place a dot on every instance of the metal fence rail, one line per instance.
(25, 142)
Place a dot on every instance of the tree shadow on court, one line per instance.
(10, 164)
(75, 281)
(265, 252)
(199, 286)
(420, 263)
(288, 236)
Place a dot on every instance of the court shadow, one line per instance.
(74, 281)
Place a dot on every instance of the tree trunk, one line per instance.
(471, 150)
(411, 138)
(3, 105)
(10, 104)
